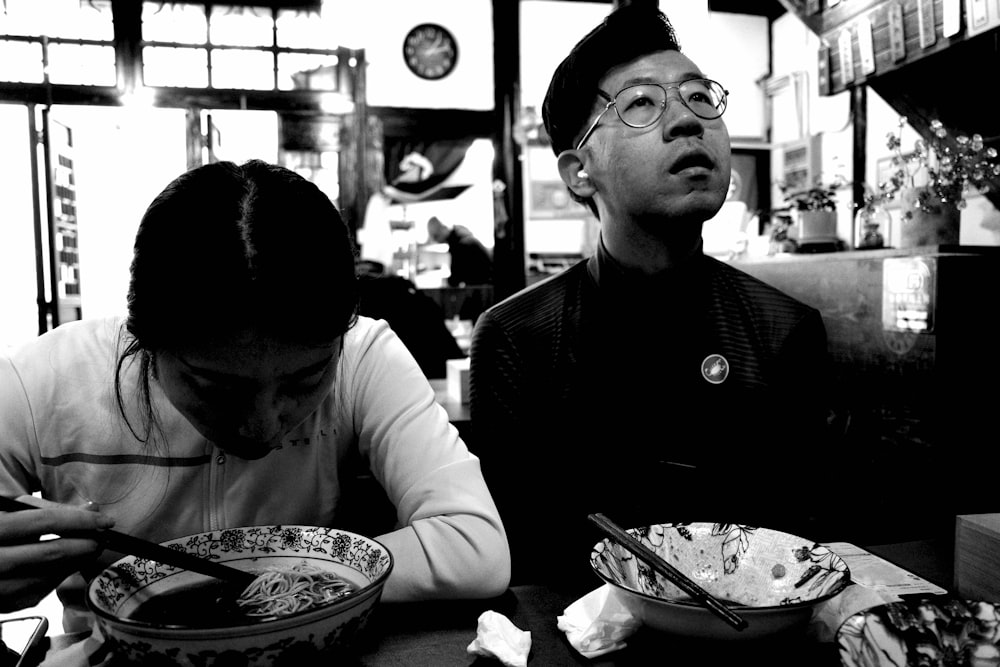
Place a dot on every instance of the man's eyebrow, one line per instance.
(684, 76)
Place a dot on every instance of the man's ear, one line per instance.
(574, 175)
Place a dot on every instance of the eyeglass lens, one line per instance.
(641, 105)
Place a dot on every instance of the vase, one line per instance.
(871, 227)
(939, 226)
(815, 226)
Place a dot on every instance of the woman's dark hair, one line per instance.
(227, 247)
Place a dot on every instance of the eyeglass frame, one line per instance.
(663, 107)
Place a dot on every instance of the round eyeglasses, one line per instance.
(642, 105)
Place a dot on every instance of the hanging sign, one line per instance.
(824, 69)
(845, 49)
(925, 23)
(866, 47)
(897, 37)
(952, 17)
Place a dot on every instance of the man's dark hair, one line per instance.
(627, 33)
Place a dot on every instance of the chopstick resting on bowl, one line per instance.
(131, 545)
(648, 556)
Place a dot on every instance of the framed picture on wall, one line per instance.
(551, 200)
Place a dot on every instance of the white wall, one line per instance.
(550, 28)
(122, 159)
(380, 26)
(18, 311)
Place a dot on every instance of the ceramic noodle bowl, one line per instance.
(770, 578)
(197, 628)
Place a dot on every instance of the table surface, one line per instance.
(458, 412)
(437, 634)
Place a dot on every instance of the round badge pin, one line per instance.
(715, 368)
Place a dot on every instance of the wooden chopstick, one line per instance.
(129, 544)
(648, 556)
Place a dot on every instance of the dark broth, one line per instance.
(208, 604)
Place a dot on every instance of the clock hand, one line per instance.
(434, 50)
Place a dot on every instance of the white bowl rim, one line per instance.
(843, 583)
(299, 617)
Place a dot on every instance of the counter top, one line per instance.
(923, 251)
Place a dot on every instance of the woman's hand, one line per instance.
(30, 567)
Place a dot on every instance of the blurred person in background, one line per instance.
(471, 261)
(650, 381)
(242, 388)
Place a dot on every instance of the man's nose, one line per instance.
(678, 119)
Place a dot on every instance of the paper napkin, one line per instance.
(497, 637)
(598, 623)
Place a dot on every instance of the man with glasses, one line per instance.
(649, 382)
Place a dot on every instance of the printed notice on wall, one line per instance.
(908, 286)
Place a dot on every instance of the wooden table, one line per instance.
(437, 634)
(458, 412)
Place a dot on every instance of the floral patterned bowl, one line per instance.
(304, 637)
(770, 578)
(945, 631)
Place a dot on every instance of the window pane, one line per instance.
(88, 65)
(241, 26)
(178, 23)
(169, 66)
(303, 29)
(21, 62)
(302, 70)
(57, 18)
(22, 17)
(74, 19)
(239, 68)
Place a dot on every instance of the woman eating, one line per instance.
(241, 388)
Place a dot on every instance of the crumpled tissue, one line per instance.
(497, 637)
(598, 623)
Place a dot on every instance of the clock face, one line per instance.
(430, 51)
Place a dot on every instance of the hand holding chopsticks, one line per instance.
(128, 544)
(675, 576)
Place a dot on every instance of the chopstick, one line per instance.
(648, 556)
(129, 544)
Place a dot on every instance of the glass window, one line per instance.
(242, 68)
(175, 66)
(297, 71)
(71, 19)
(82, 64)
(21, 62)
(23, 17)
(78, 19)
(174, 22)
(304, 29)
(241, 26)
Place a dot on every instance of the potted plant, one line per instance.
(933, 181)
(809, 216)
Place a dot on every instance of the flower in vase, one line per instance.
(942, 170)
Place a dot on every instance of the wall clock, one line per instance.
(430, 51)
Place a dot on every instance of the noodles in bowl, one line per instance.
(314, 590)
(277, 591)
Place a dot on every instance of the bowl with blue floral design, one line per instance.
(154, 614)
(772, 579)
